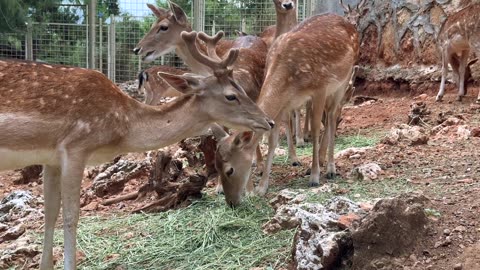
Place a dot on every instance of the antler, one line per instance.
(345, 7)
(212, 60)
(211, 43)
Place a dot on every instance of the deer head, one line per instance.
(283, 6)
(353, 14)
(233, 160)
(164, 35)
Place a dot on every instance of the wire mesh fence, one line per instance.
(60, 34)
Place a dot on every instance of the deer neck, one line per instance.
(155, 127)
(182, 51)
(285, 22)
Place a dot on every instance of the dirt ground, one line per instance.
(446, 170)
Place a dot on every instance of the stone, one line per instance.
(475, 132)
(412, 135)
(367, 171)
(458, 266)
(390, 230)
(12, 233)
(447, 232)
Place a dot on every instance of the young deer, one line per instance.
(459, 35)
(154, 87)
(315, 60)
(66, 118)
(353, 14)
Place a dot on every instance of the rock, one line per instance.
(346, 221)
(12, 233)
(91, 206)
(460, 229)
(458, 266)
(421, 97)
(367, 171)
(418, 114)
(463, 132)
(19, 204)
(320, 241)
(390, 230)
(446, 232)
(287, 196)
(20, 252)
(113, 179)
(471, 257)
(475, 132)
(412, 135)
(29, 174)
(353, 152)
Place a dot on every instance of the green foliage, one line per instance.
(205, 235)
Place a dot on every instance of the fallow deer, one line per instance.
(65, 118)
(154, 87)
(315, 60)
(353, 14)
(164, 37)
(458, 36)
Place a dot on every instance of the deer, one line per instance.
(353, 14)
(313, 61)
(458, 36)
(154, 87)
(66, 118)
(164, 36)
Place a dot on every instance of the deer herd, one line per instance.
(66, 118)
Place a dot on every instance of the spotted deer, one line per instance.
(458, 36)
(164, 36)
(315, 60)
(154, 87)
(353, 14)
(65, 118)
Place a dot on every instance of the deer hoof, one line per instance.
(296, 164)
(459, 98)
(331, 175)
(439, 99)
(313, 184)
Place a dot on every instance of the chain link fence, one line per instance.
(62, 37)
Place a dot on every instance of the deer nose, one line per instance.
(137, 50)
(288, 6)
(271, 123)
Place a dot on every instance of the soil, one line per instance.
(446, 170)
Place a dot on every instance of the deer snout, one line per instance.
(137, 50)
(271, 123)
(288, 6)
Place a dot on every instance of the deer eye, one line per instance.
(229, 172)
(231, 97)
(162, 28)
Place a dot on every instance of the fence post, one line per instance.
(199, 15)
(92, 12)
(111, 49)
(29, 42)
(100, 44)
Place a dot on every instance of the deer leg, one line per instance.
(307, 124)
(72, 174)
(318, 105)
(259, 158)
(292, 151)
(330, 130)
(299, 141)
(461, 74)
(441, 91)
(51, 193)
(148, 96)
(272, 145)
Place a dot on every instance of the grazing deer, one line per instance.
(66, 118)
(154, 87)
(315, 60)
(458, 36)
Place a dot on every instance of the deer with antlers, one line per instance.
(66, 118)
(458, 36)
(315, 60)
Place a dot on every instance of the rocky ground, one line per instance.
(435, 158)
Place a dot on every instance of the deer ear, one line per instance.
(186, 83)
(218, 132)
(472, 62)
(159, 12)
(179, 14)
(243, 139)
